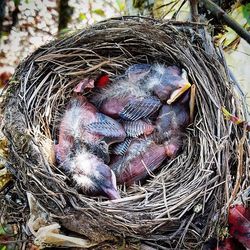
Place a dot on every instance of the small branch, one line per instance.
(221, 14)
(192, 102)
(15, 14)
(194, 10)
(239, 173)
(2, 14)
(64, 14)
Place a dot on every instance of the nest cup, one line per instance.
(180, 206)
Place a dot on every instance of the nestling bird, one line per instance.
(171, 123)
(167, 83)
(126, 101)
(82, 121)
(131, 96)
(143, 156)
(75, 149)
(90, 173)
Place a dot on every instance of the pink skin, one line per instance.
(171, 123)
(172, 150)
(113, 107)
(173, 118)
(164, 82)
(174, 144)
(149, 130)
(79, 114)
(63, 148)
(84, 84)
(112, 193)
(174, 70)
(84, 115)
(137, 167)
(171, 84)
(165, 92)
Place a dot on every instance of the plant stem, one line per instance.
(194, 10)
(221, 14)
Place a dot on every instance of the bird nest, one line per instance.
(186, 201)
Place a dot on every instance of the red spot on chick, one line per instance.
(102, 81)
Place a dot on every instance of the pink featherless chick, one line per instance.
(83, 134)
(171, 124)
(139, 92)
(126, 99)
(82, 121)
(142, 157)
(136, 158)
(90, 173)
(168, 83)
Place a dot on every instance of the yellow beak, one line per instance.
(178, 93)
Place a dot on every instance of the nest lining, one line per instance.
(181, 204)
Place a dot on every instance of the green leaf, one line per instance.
(3, 247)
(2, 230)
(167, 8)
(16, 2)
(82, 16)
(230, 38)
(99, 12)
(246, 12)
(121, 5)
(4, 34)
